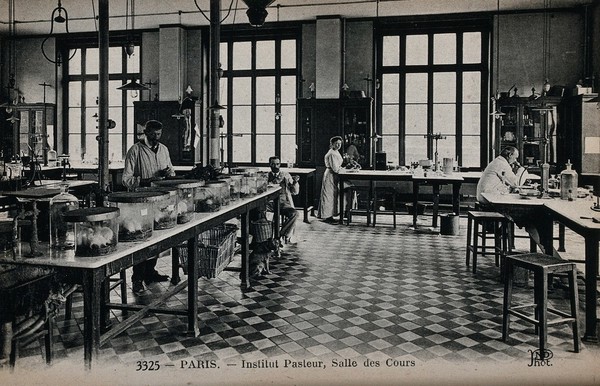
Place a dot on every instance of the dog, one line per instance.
(260, 256)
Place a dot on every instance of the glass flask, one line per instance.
(62, 233)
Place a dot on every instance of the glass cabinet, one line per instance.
(530, 126)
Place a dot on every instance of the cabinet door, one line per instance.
(305, 133)
(357, 133)
(327, 125)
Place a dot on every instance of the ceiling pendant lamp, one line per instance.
(257, 11)
(497, 113)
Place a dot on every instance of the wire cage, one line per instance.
(216, 247)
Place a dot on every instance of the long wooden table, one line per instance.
(436, 181)
(93, 272)
(577, 216)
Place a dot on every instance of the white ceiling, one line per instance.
(33, 16)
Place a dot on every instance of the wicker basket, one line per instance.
(215, 250)
(261, 230)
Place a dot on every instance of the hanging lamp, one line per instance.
(57, 17)
(497, 113)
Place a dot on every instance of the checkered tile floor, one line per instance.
(341, 292)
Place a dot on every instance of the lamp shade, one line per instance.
(257, 12)
(133, 85)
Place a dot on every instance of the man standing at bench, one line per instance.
(146, 161)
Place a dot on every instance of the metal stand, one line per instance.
(435, 137)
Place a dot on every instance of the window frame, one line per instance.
(402, 28)
(273, 34)
(82, 43)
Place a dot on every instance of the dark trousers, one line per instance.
(144, 269)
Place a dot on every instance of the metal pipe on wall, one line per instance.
(103, 27)
(215, 41)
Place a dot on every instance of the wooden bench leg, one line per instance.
(574, 307)
(507, 300)
(469, 239)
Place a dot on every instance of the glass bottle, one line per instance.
(62, 233)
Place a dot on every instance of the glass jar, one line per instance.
(262, 181)
(228, 181)
(251, 185)
(136, 221)
(165, 210)
(62, 233)
(221, 191)
(96, 230)
(235, 186)
(207, 199)
(186, 196)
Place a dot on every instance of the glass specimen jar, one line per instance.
(96, 230)
(165, 210)
(235, 186)
(221, 191)
(136, 221)
(62, 233)
(262, 181)
(186, 196)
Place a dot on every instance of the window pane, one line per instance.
(472, 47)
(242, 150)
(265, 120)
(115, 143)
(91, 61)
(75, 62)
(389, 144)
(133, 61)
(444, 118)
(242, 91)
(390, 116)
(391, 50)
(288, 148)
(471, 119)
(91, 121)
(114, 113)
(288, 53)
(470, 151)
(74, 122)
(447, 147)
(91, 148)
(223, 55)
(91, 93)
(223, 92)
(444, 48)
(390, 92)
(115, 96)
(75, 146)
(444, 87)
(416, 88)
(265, 90)
(265, 54)
(471, 87)
(415, 148)
(115, 64)
(241, 119)
(416, 119)
(265, 147)
(288, 119)
(74, 94)
(242, 55)
(288, 89)
(416, 49)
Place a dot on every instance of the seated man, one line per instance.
(289, 186)
(498, 176)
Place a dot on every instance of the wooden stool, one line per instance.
(541, 265)
(500, 224)
(376, 201)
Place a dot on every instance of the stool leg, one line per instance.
(507, 300)
(497, 242)
(469, 235)
(374, 207)
(541, 283)
(483, 238)
(394, 207)
(475, 244)
(505, 246)
(48, 339)
(123, 286)
(574, 307)
(561, 237)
